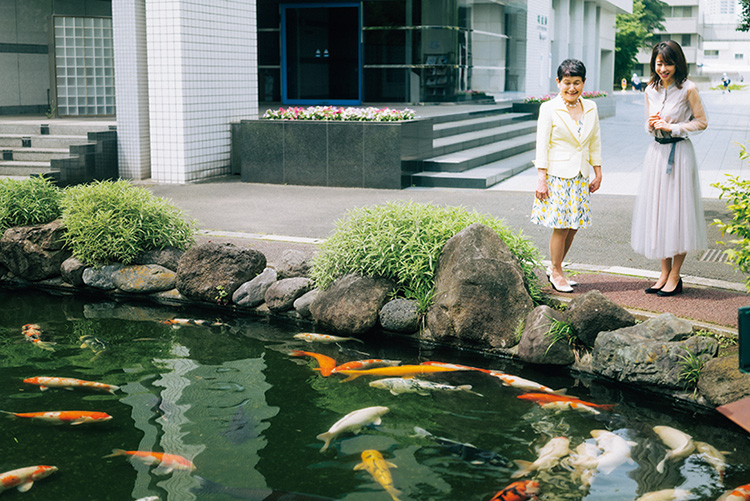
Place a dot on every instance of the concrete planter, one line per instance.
(607, 107)
(328, 153)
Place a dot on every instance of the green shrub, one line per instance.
(737, 193)
(402, 241)
(114, 221)
(29, 201)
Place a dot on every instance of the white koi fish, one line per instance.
(323, 338)
(549, 456)
(23, 478)
(666, 495)
(397, 385)
(524, 384)
(375, 465)
(584, 461)
(353, 422)
(680, 444)
(616, 450)
(69, 383)
(712, 456)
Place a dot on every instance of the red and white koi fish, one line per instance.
(524, 384)
(167, 461)
(562, 402)
(458, 367)
(518, 491)
(33, 334)
(23, 478)
(64, 417)
(325, 363)
(374, 463)
(69, 383)
(741, 493)
(549, 456)
(180, 322)
(324, 338)
(365, 364)
(400, 370)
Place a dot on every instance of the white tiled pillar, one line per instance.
(202, 76)
(591, 45)
(131, 88)
(575, 45)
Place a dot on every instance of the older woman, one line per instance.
(568, 148)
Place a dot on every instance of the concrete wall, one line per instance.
(488, 44)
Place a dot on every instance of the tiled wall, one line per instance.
(201, 72)
(132, 88)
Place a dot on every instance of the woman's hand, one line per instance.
(656, 122)
(542, 191)
(595, 183)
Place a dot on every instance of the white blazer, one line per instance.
(558, 148)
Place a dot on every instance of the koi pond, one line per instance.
(244, 415)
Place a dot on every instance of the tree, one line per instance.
(745, 17)
(636, 31)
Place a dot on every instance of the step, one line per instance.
(16, 168)
(478, 112)
(473, 124)
(41, 140)
(68, 128)
(481, 177)
(39, 154)
(477, 138)
(474, 157)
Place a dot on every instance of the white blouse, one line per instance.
(681, 107)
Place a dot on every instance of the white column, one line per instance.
(131, 88)
(577, 30)
(202, 76)
(591, 50)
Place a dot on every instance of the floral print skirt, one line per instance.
(567, 206)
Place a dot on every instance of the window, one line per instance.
(739, 56)
(711, 54)
(687, 40)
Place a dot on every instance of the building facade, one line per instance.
(176, 73)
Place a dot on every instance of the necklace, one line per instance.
(572, 105)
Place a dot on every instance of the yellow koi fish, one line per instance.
(666, 495)
(375, 465)
(712, 456)
(69, 383)
(680, 444)
(400, 370)
(549, 456)
(23, 478)
(324, 338)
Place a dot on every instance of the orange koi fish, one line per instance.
(168, 461)
(33, 334)
(518, 491)
(741, 493)
(523, 384)
(365, 364)
(23, 478)
(325, 363)
(64, 417)
(551, 401)
(401, 370)
(179, 322)
(458, 367)
(69, 383)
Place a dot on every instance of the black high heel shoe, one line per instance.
(673, 292)
(653, 290)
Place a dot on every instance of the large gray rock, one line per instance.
(721, 381)
(144, 278)
(209, 268)
(253, 293)
(350, 305)
(400, 315)
(651, 353)
(480, 298)
(71, 271)
(294, 263)
(592, 313)
(101, 277)
(302, 304)
(281, 294)
(34, 252)
(168, 257)
(537, 346)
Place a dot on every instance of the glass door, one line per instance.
(321, 53)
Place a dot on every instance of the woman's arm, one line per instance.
(541, 161)
(698, 122)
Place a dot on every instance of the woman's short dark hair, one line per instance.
(571, 68)
(671, 54)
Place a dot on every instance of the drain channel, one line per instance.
(714, 256)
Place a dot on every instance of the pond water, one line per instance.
(232, 400)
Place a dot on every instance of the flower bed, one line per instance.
(339, 114)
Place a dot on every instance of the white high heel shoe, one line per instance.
(572, 283)
(560, 288)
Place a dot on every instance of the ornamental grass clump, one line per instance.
(114, 221)
(402, 241)
(35, 200)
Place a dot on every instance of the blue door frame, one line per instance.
(284, 54)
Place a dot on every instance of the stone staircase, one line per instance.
(27, 145)
(477, 149)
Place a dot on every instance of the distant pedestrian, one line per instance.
(568, 146)
(636, 81)
(668, 219)
(725, 82)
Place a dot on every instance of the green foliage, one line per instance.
(560, 330)
(736, 191)
(732, 86)
(692, 365)
(402, 241)
(635, 32)
(725, 340)
(745, 17)
(222, 296)
(114, 221)
(29, 201)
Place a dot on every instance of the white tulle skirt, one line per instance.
(668, 215)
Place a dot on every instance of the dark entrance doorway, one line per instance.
(321, 54)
